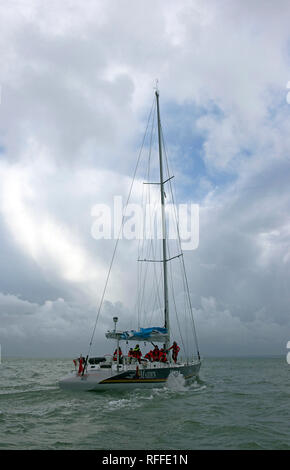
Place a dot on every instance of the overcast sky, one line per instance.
(77, 83)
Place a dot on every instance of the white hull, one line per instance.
(125, 378)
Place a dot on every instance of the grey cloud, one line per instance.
(77, 82)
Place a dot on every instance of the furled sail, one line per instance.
(144, 334)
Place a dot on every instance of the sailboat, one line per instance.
(130, 371)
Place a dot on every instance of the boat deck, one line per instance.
(132, 366)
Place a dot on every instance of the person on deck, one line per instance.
(130, 355)
(162, 355)
(155, 353)
(137, 353)
(175, 350)
(149, 356)
(81, 364)
(115, 356)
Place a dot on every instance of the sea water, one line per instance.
(237, 403)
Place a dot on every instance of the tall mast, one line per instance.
(166, 307)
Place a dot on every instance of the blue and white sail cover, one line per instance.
(144, 334)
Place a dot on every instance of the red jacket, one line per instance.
(115, 356)
(162, 356)
(155, 354)
(175, 348)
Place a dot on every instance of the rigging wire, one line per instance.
(148, 248)
(144, 233)
(169, 256)
(152, 253)
(156, 299)
(154, 249)
(141, 247)
(179, 243)
(174, 303)
(139, 269)
(118, 238)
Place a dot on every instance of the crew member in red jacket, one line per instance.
(175, 350)
(149, 356)
(155, 353)
(137, 353)
(162, 355)
(130, 355)
(115, 356)
(81, 364)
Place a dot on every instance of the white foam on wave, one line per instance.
(196, 387)
(123, 403)
(176, 382)
(138, 399)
